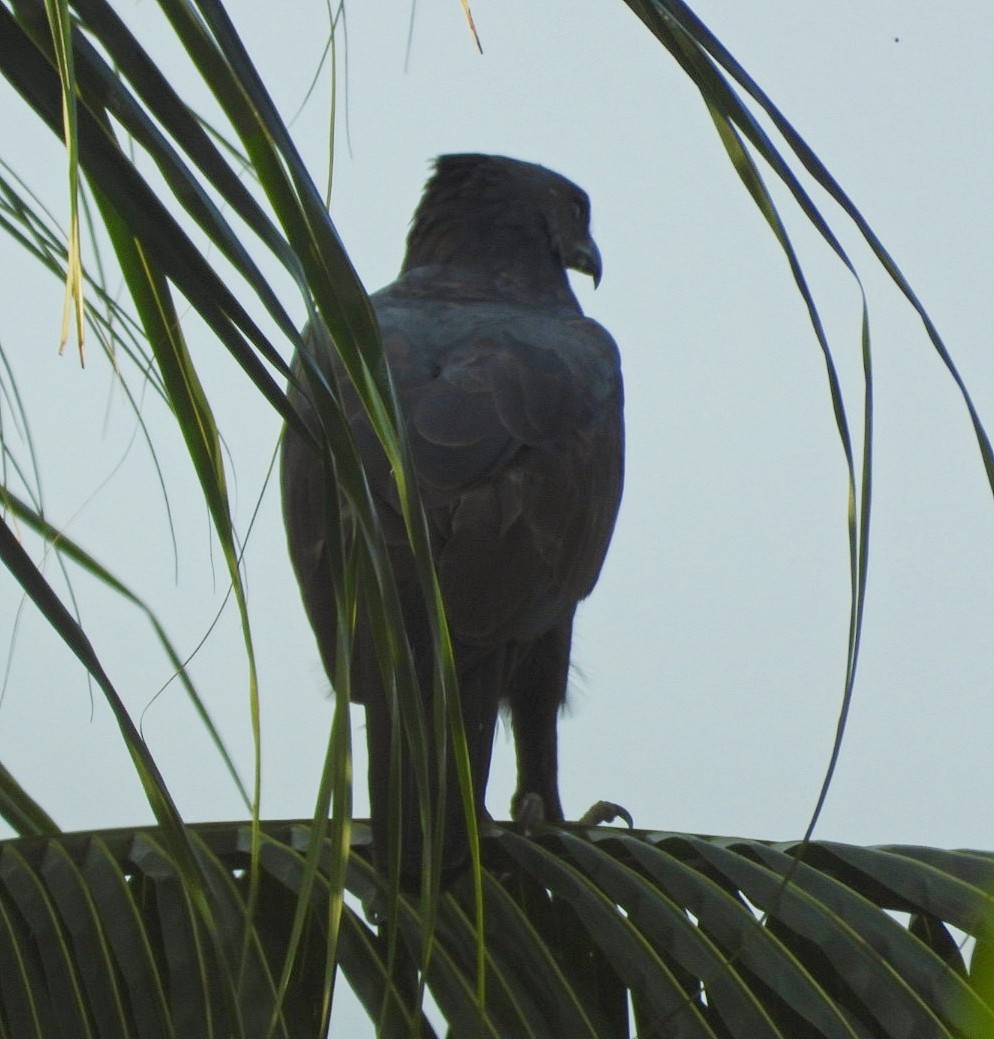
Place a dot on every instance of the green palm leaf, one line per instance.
(242, 929)
(101, 938)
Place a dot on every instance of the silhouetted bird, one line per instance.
(513, 405)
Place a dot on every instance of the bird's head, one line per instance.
(514, 221)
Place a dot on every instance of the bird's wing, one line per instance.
(514, 420)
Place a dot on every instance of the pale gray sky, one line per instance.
(713, 650)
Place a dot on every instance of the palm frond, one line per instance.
(589, 932)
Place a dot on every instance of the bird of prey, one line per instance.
(513, 407)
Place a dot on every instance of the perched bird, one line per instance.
(513, 407)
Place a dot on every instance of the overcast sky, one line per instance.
(711, 656)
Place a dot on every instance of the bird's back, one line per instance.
(513, 412)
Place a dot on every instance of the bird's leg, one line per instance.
(536, 800)
(536, 693)
(479, 694)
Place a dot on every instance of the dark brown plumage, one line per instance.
(513, 402)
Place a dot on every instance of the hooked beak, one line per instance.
(586, 258)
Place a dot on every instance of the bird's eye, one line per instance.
(579, 211)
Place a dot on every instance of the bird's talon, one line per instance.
(606, 812)
(529, 813)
